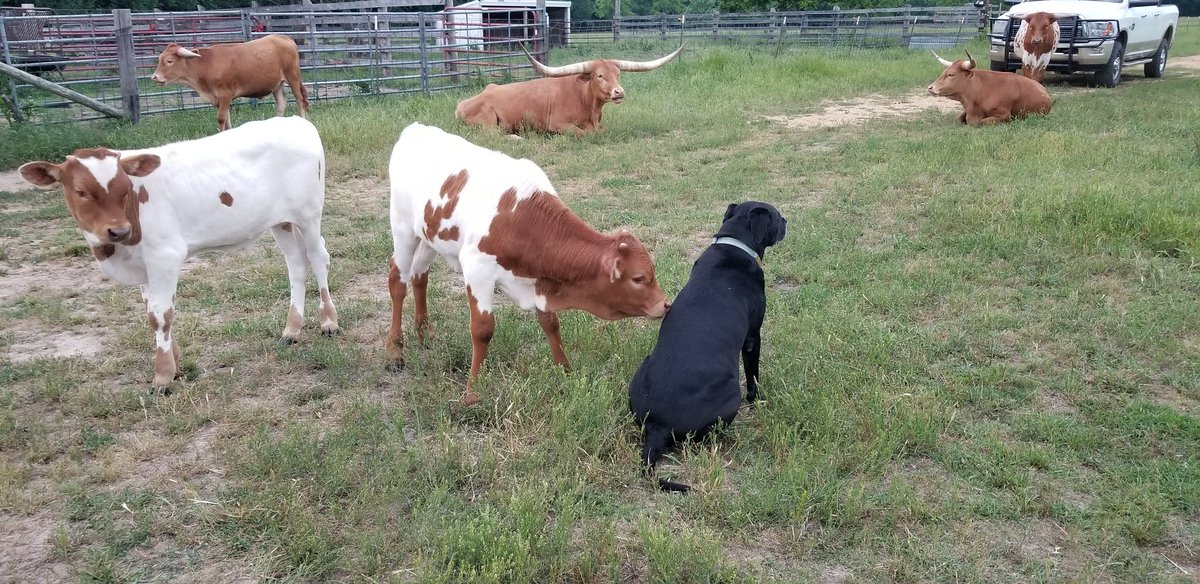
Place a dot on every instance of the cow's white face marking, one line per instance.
(103, 169)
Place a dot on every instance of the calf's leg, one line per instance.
(159, 293)
(280, 100)
(420, 281)
(223, 114)
(292, 247)
(483, 325)
(404, 247)
(394, 348)
(292, 76)
(317, 258)
(549, 322)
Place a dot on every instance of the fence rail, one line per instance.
(898, 27)
(377, 52)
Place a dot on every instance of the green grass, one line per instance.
(980, 358)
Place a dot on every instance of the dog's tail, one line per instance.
(670, 487)
(657, 441)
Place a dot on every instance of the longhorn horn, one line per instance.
(563, 71)
(647, 65)
(970, 62)
(182, 52)
(944, 62)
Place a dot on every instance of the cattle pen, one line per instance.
(75, 67)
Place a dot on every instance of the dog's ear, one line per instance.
(729, 212)
(759, 225)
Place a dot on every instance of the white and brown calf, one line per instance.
(1035, 43)
(500, 222)
(145, 211)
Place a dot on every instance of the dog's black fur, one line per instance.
(689, 383)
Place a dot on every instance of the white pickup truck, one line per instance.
(1094, 35)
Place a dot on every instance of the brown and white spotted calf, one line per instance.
(500, 222)
(1035, 43)
(145, 211)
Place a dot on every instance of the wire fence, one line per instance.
(346, 54)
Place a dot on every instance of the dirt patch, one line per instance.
(1190, 62)
(51, 277)
(11, 182)
(57, 345)
(867, 108)
(26, 551)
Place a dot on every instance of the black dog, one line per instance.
(690, 382)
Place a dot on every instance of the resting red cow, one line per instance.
(500, 222)
(143, 212)
(989, 97)
(567, 99)
(224, 72)
(1035, 42)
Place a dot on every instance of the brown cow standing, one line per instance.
(1035, 42)
(220, 73)
(989, 97)
(567, 99)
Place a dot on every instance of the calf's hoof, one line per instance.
(155, 390)
(395, 365)
(333, 332)
(286, 341)
(469, 399)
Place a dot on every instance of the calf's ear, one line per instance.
(612, 264)
(140, 165)
(40, 173)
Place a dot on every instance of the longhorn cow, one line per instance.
(566, 99)
(988, 97)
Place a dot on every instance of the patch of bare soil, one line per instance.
(12, 182)
(51, 277)
(867, 108)
(1190, 62)
(55, 345)
(26, 553)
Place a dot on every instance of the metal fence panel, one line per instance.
(345, 54)
(342, 54)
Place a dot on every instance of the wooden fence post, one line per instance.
(616, 20)
(14, 104)
(127, 64)
(543, 30)
(716, 25)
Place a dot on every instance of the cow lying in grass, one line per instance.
(143, 212)
(568, 98)
(989, 97)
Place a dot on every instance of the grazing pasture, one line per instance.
(981, 357)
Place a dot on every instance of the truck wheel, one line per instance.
(1110, 75)
(1158, 65)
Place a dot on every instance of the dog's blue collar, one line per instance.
(738, 244)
